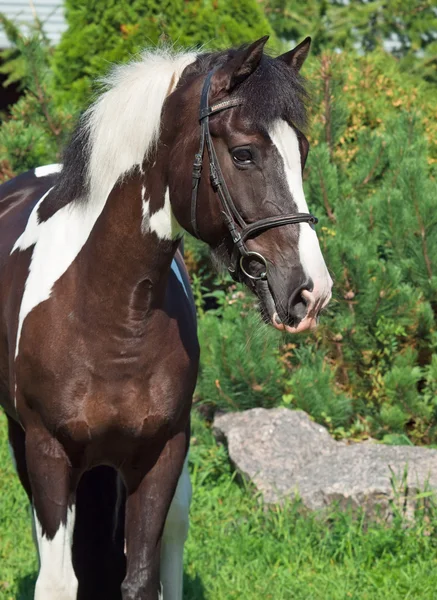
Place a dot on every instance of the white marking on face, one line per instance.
(56, 578)
(311, 258)
(47, 170)
(174, 536)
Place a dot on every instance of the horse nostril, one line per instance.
(298, 304)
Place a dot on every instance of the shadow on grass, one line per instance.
(193, 588)
(26, 587)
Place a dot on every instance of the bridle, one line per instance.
(240, 230)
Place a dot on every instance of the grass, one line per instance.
(238, 549)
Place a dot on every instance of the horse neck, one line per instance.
(131, 249)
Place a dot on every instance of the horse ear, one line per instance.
(296, 57)
(236, 70)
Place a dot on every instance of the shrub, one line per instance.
(115, 31)
(370, 368)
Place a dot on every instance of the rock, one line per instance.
(270, 447)
(370, 476)
(284, 453)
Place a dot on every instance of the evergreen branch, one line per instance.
(326, 77)
(370, 174)
(225, 396)
(328, 208)
(41, 97)
(350, 294)
(423, 237)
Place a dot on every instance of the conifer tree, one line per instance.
(405, 29)
(58, 81)
(116, 31)
(370, 369)
(36, 129)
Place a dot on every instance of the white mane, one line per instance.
(124, 123)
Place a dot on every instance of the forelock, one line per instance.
(274, 91)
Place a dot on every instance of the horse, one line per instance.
(99, 352)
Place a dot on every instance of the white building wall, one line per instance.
(50, 12)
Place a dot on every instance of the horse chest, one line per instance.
(87, 401)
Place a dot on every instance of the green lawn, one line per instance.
(239, 550)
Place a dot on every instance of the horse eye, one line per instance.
(242, 156)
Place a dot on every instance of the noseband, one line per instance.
(240, 230)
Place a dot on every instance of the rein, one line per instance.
(239, 230)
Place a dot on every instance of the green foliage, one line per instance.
(36, 128)
(371, 178)
(405, 29)
(371, 183)
(16, 65)
(239, 548)
(370, 369)
(239, 365)
(117, 30)
(312, 387)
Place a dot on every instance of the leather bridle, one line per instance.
(240, 230)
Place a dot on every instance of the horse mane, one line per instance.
(119, 130)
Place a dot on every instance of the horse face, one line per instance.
(263, 172)
(262, 153)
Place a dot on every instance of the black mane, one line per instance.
(72, 180)
(274, 91)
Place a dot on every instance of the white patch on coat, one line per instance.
(124, 126)
(125, 122)
(56, 578)
(56, 242)
(311, 258)
(174, 536)
(145, 211)
(47, 170)
(162, 222)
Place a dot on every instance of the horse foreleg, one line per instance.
(54, 513)
(18, 454)
(148, 502)
(173, 539)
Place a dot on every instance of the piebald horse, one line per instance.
(99, 353)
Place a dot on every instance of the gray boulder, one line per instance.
(284, 453)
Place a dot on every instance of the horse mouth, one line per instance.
(305, 324)
(270, 315)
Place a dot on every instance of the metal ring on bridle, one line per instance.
(260, 258)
